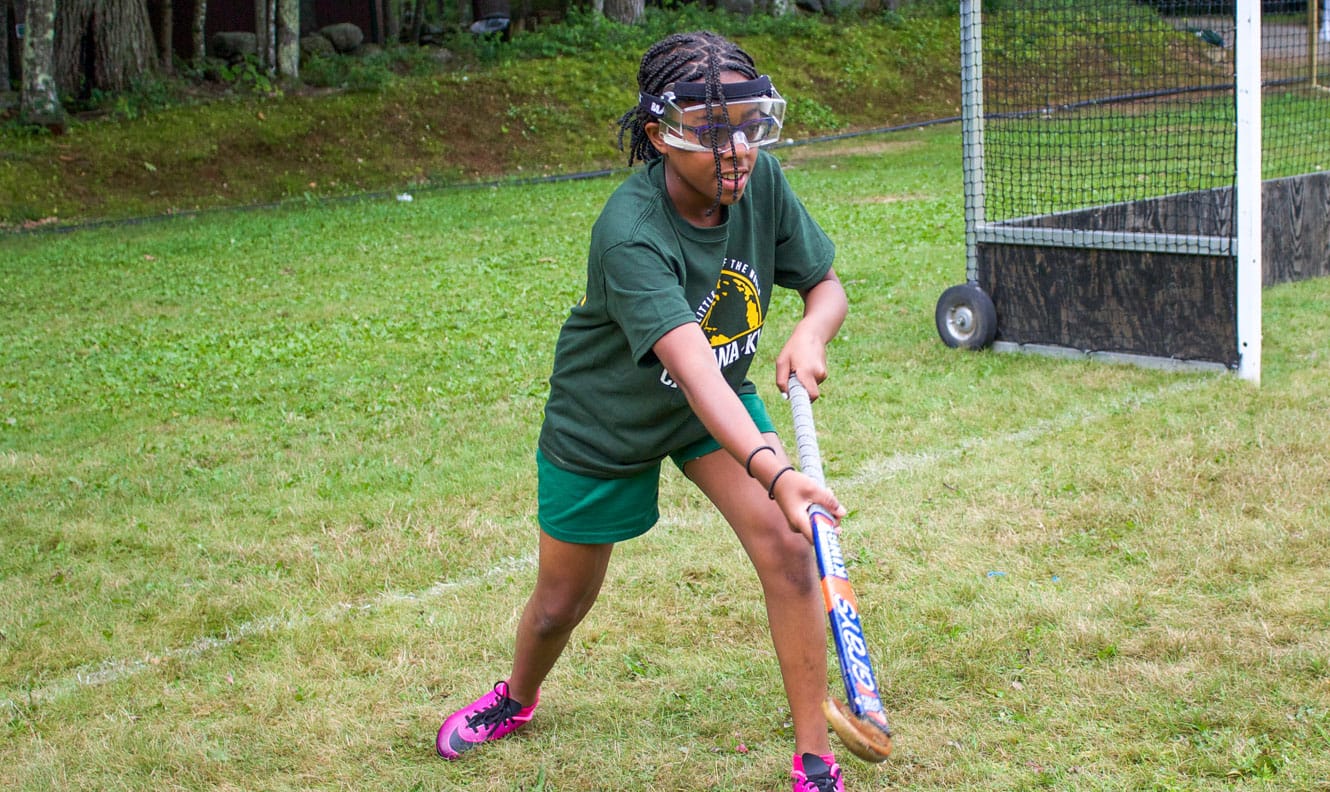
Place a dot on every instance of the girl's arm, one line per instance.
(687, 355)
(805, 352)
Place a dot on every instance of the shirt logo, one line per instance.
(733, 311)
(730, 316)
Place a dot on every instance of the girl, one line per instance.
(653, 362)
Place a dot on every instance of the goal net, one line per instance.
(1105, 147)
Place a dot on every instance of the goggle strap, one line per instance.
(731, 91)
(655, 106)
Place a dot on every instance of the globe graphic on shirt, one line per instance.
(735, 312)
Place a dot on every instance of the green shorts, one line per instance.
(588, 510)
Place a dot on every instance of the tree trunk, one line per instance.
(629, 12)
(4, 46)
(597, 6)
(198, 30)
(103, 45)
(260, 25)
(73, 56)
(288, 39)
(39, 102)
(392, 22)
(265, 34)
(270, 36)
(165, 27)
(123, 39)
(417, 22)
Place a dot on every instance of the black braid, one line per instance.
(684, 57)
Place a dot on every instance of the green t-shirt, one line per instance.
(613, 410)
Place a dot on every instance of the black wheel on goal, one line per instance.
(966, 317)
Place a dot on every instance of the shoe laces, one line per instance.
(824, 782)
(823, 778)
(495, 715)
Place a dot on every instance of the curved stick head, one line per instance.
(865, 739)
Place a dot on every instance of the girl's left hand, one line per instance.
(796, 493)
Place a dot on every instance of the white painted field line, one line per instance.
(116, 669)
(874, 472)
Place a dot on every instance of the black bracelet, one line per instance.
(771, 490)
(748, 465)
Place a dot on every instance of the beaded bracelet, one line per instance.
(771, 490)
(748, 465)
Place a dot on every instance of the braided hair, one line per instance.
(683, 57)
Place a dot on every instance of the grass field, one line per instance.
(267, 503)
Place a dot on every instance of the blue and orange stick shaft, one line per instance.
(861, 723)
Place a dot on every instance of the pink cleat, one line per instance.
(490, 717)
(813, 773)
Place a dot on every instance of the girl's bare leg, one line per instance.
(787, 570)
(567, 582)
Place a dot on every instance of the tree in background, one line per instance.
(265, 32)
(288, 39)
(198, 28)
(415, 12)
(4, 45)
(629, 12)
(164, 14)
(39, 101)
(102, 45)
(277, 34)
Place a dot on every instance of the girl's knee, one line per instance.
(555, 616)
(803, 579)
(787, 561)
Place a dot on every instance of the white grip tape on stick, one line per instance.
(805, 433)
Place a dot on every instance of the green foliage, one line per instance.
(411, 115)
(247, 75)
(339, 71)
(814, 115)
(372, 72)
(14, 129)
(1079, 28)
(147, 94)
(938, 8)
(582, 30)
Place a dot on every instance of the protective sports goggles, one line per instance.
(756, 113)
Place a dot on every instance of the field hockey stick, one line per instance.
(862, 723)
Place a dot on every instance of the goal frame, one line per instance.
(1235, 258)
